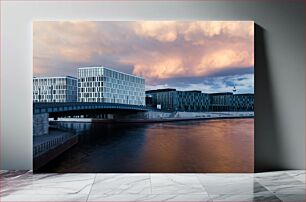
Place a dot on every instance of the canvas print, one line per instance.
(143, 96)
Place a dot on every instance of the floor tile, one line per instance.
(259, 189)
(48, 184)
(3, 171)
(266, 198)
(12, 181)
(291, 197)
(236, 184)
(286, 186)
(43, 198)
(245, 198)
(273, 175)
(298, 175)
(281, 183)
(115, 198)
(175, 184)
(183, 198)
(150, 197)
(121, 184)
(14, 174)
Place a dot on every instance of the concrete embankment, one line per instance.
(48, 147)
(180, 116)
(156, 116)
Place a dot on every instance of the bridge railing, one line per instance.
(50, 144)
(50, 107)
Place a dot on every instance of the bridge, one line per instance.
(67, 108)
(45, 110)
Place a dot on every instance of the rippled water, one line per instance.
(224, 145)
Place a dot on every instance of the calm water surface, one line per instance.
(192, 146)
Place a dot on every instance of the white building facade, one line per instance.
(101, 84)
(55, 89)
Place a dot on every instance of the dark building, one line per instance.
(231, 102)
(149, 101)
(243, 102)
(173, 100)
(220, 101)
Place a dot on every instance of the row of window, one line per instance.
(53, 92)
(109, 95)
(50, 97)
(111, 90)
(50, 87)
(48, 100)
(109, 100)
(53, 81)
(90, 72)
(104, 72)
(111, 84)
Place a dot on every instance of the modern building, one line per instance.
(101, 84)
(55, 89)
(243, 102)
(149, 100)
(173, 100)
(231, 102)
(221, 101)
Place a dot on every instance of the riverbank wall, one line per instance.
(157, 116)
(48, 147)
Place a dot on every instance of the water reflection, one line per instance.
(193, 146)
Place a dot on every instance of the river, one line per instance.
(223, 145)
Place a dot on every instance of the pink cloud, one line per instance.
(164, 31)
(156, 50)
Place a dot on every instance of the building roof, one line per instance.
(196, 91)
(161, 90)
(193, 91)
(224, 93)
(247, 94)
(52, 77)
(101, 67)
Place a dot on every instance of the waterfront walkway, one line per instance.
(44, 143)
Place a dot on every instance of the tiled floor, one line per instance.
(273, 186)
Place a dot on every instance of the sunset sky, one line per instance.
(211, 56)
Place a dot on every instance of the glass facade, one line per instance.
(173, 100)
(231, 102)
(243, 102)
(221, 101)
(55, 89)
(101, 84)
